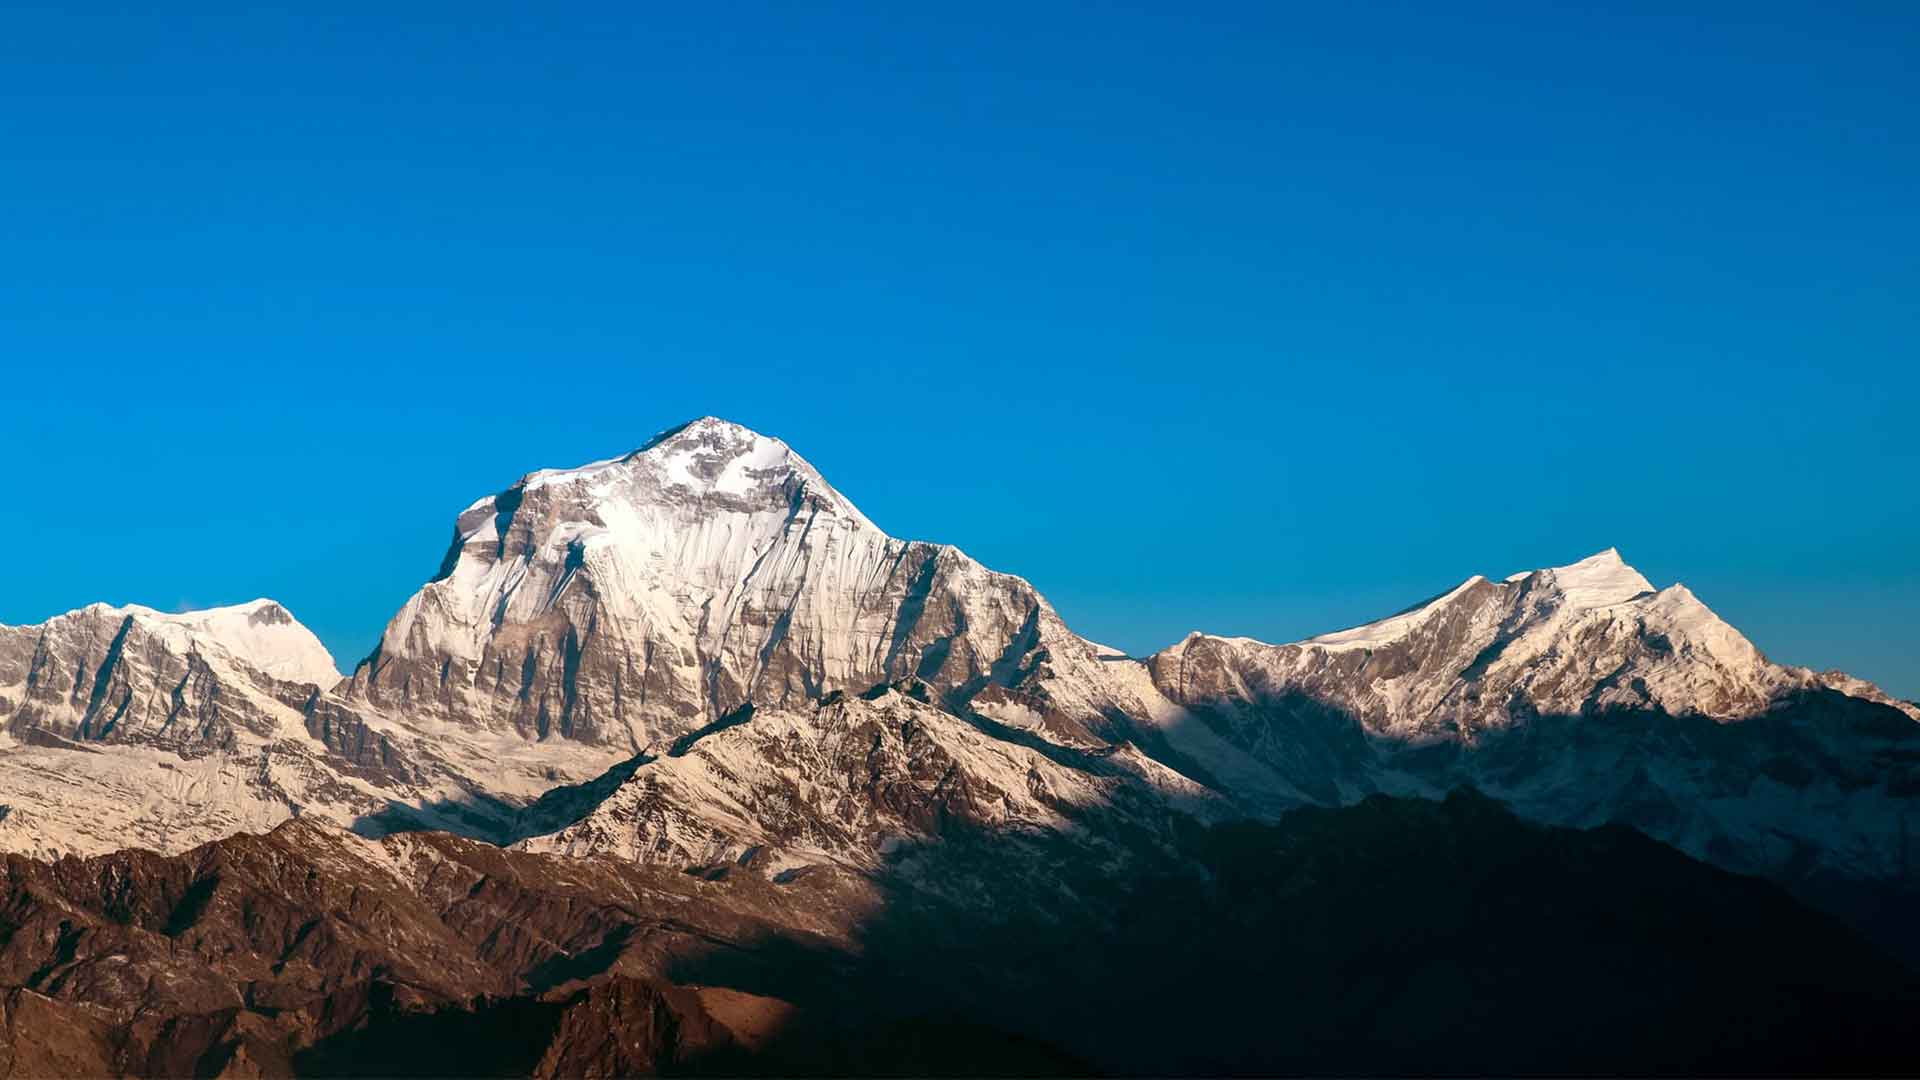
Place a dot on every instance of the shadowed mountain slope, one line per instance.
(1389, 937)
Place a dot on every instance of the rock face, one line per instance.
(124, 727)
(629, 602)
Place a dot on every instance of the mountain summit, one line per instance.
(630, 601)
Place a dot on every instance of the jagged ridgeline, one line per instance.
(701, 658)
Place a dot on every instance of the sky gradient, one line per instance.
(1258, 319)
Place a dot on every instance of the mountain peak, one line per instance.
(715, 455)
(704, 457)
(703, 427)
(261, 632)
(1599, 580)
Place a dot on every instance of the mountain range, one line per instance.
(698, 669)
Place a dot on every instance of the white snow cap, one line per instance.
(711, 454)
(1598, 580)
(707, 456)
(262, 633)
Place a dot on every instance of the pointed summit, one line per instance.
(715, 455)
(1599, 580)
(701, 461)
(630, 601)
(702, 426)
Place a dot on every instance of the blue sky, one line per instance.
(1266, 319)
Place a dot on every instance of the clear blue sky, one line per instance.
(1260, 318)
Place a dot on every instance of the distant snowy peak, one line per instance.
(1557, 596)
(127, 726)
(1593, 634)
(261, 634)
(1579, 695)
(265, 635)
(179, 679)
(697, 504)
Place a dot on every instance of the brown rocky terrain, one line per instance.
(1391, 936)
(310, 949)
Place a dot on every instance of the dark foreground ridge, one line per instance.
(1395, 936)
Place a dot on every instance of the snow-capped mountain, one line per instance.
(1591, 636)
(642, 604)
(1581, 695)
(630, 601)
(701, 651)
(129, 726)
(126, 726)
(143, 675)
